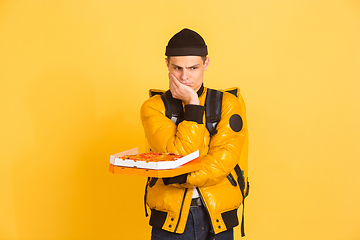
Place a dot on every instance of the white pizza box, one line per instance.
(116, 160)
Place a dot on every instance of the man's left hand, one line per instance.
(181, 91)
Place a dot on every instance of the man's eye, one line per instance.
(193, 68)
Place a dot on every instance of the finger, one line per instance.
(174, 80)
(172, 84)
(172, 76)
(172, 87)
(171, 79)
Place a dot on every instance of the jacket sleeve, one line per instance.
(164, 136)
(225, 146)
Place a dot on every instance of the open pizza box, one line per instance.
(188, 163)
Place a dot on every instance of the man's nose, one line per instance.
(184, 74)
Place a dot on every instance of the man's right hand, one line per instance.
(182, 91)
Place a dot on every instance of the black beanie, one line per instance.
(186, 43)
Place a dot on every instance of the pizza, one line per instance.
(153, 157)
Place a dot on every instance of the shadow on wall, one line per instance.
(63, 183)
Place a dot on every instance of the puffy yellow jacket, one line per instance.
(219, 155)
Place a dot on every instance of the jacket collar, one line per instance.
(201, 90)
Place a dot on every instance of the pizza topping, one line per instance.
(153, 157)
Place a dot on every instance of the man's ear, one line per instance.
(206, 64)
(167, 62)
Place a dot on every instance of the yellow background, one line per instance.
(73, 75)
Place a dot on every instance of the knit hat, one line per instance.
(186, 43)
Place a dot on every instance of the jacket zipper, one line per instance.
(182, 204)
(207, 211)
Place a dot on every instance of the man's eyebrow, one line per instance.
(196, 65)
(175, 65)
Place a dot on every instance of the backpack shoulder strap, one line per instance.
(173, 107)
(153, 92)
(241, 182)
(234, 91)
(213, 104)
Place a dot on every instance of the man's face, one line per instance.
(189, 70)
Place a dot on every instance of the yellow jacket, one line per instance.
(219, 154)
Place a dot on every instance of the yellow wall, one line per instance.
(73, 75)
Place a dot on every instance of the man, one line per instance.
(201, 204)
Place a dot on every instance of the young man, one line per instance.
(201, 204)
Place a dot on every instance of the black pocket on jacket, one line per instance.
(231, 179)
